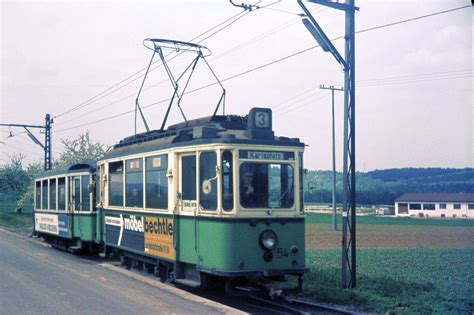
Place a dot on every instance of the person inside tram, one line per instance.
(248, 196)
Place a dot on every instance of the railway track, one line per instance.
(292, 305)
(251, 303)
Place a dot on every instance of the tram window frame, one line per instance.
(52, 194)
(61, 179)
(44, 194)
(227, 181)
(38, 194)
(134, 172)
(85, 194)
(156, 191)
(262, 189)
(301, 181)
(208, 195)
(189, 167)
(116, 178)
(98, 185)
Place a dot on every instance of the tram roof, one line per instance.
(218, 129)
(86, 166)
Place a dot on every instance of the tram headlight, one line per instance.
(268, 240)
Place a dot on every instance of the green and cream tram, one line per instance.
(64, 206)
(216, 197)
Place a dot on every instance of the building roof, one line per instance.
(436, 197)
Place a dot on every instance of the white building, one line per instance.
(436, 205)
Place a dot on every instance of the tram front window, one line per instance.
(265, 185)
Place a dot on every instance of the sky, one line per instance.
(414, 87)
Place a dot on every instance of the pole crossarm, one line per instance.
(47, 138)
(336, 5)
(22, 126)
(331, 87)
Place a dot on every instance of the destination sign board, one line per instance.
(266, 155)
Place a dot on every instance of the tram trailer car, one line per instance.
(219, 197)
(64, 207)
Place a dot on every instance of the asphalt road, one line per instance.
(38, 279)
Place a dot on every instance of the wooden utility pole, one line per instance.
(334, 212)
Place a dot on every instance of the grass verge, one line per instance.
(396, 280)
(22, 221)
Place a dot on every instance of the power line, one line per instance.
(163, 101)
(315, 93)
(412, 19)
(231, 50)
(118, 85)
(101, 94)
(303, 105)
(19, 149)
(416, 80)
(417, 76)
(311, 89)
(274, 62)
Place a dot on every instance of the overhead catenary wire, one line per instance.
(255, 39)
(275, 62)
(120, 84)
(312, 102)
(130, 111)
(422, 76)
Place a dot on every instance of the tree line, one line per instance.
(16, 178)
(384, 186)
(374, 187)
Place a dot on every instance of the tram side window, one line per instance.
(52, 194)
(85, 193)
(61, 193)
(156, 182)
(208, 180)
(38, 195)
(116, 184)
(189, 177)
(44, 201)
(134, 183)
(227, 181)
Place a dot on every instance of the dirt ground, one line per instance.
(372, 236)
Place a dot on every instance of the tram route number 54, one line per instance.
(282, 252)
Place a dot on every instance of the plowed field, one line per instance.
(393, 236)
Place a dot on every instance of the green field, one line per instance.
(9, 217)
(400, 275)
(396, 280)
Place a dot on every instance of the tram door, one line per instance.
(75, 198)
(187, 204)
(187, 184)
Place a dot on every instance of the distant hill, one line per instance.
(384, 186)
